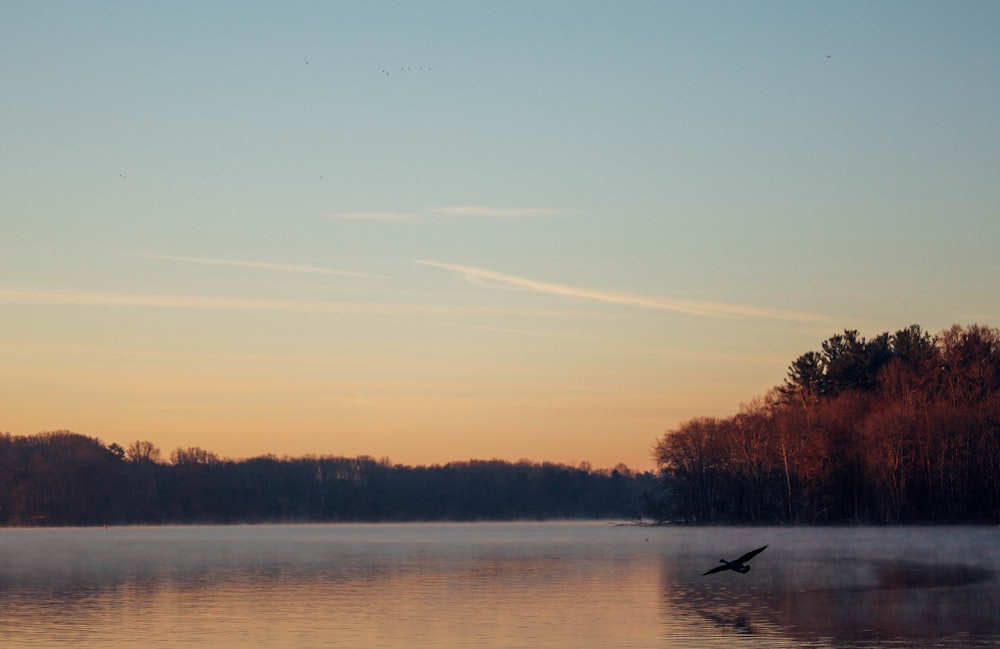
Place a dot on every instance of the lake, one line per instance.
(564, 584)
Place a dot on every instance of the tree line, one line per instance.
(904, 427)
(63, 478)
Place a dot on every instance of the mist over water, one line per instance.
(852, 587)
(497, 585)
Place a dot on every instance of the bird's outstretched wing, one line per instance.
(750, 555)
(717, 569)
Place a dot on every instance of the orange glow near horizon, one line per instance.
(244, 407)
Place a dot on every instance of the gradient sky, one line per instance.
(437, 231)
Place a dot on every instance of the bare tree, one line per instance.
(193, 455)
(141, 452)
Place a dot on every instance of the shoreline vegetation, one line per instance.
(903, 428)
(66, 479)
(900, 429)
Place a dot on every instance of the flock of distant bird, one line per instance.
(420, 69)
(428, 69)
(385, 71)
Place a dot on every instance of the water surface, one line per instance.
(528, 585)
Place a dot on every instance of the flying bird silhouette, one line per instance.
(739, 565)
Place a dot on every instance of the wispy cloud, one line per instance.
(702, 308)
(475, 211)
(260, 265)
(97, 298)
(55, 297)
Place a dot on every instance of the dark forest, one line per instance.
(62, 478)
(901, 428)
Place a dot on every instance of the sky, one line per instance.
(439, 231)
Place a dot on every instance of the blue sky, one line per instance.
(434, 231)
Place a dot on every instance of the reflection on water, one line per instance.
(496, 585)
(326, 586)
(912, 587)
